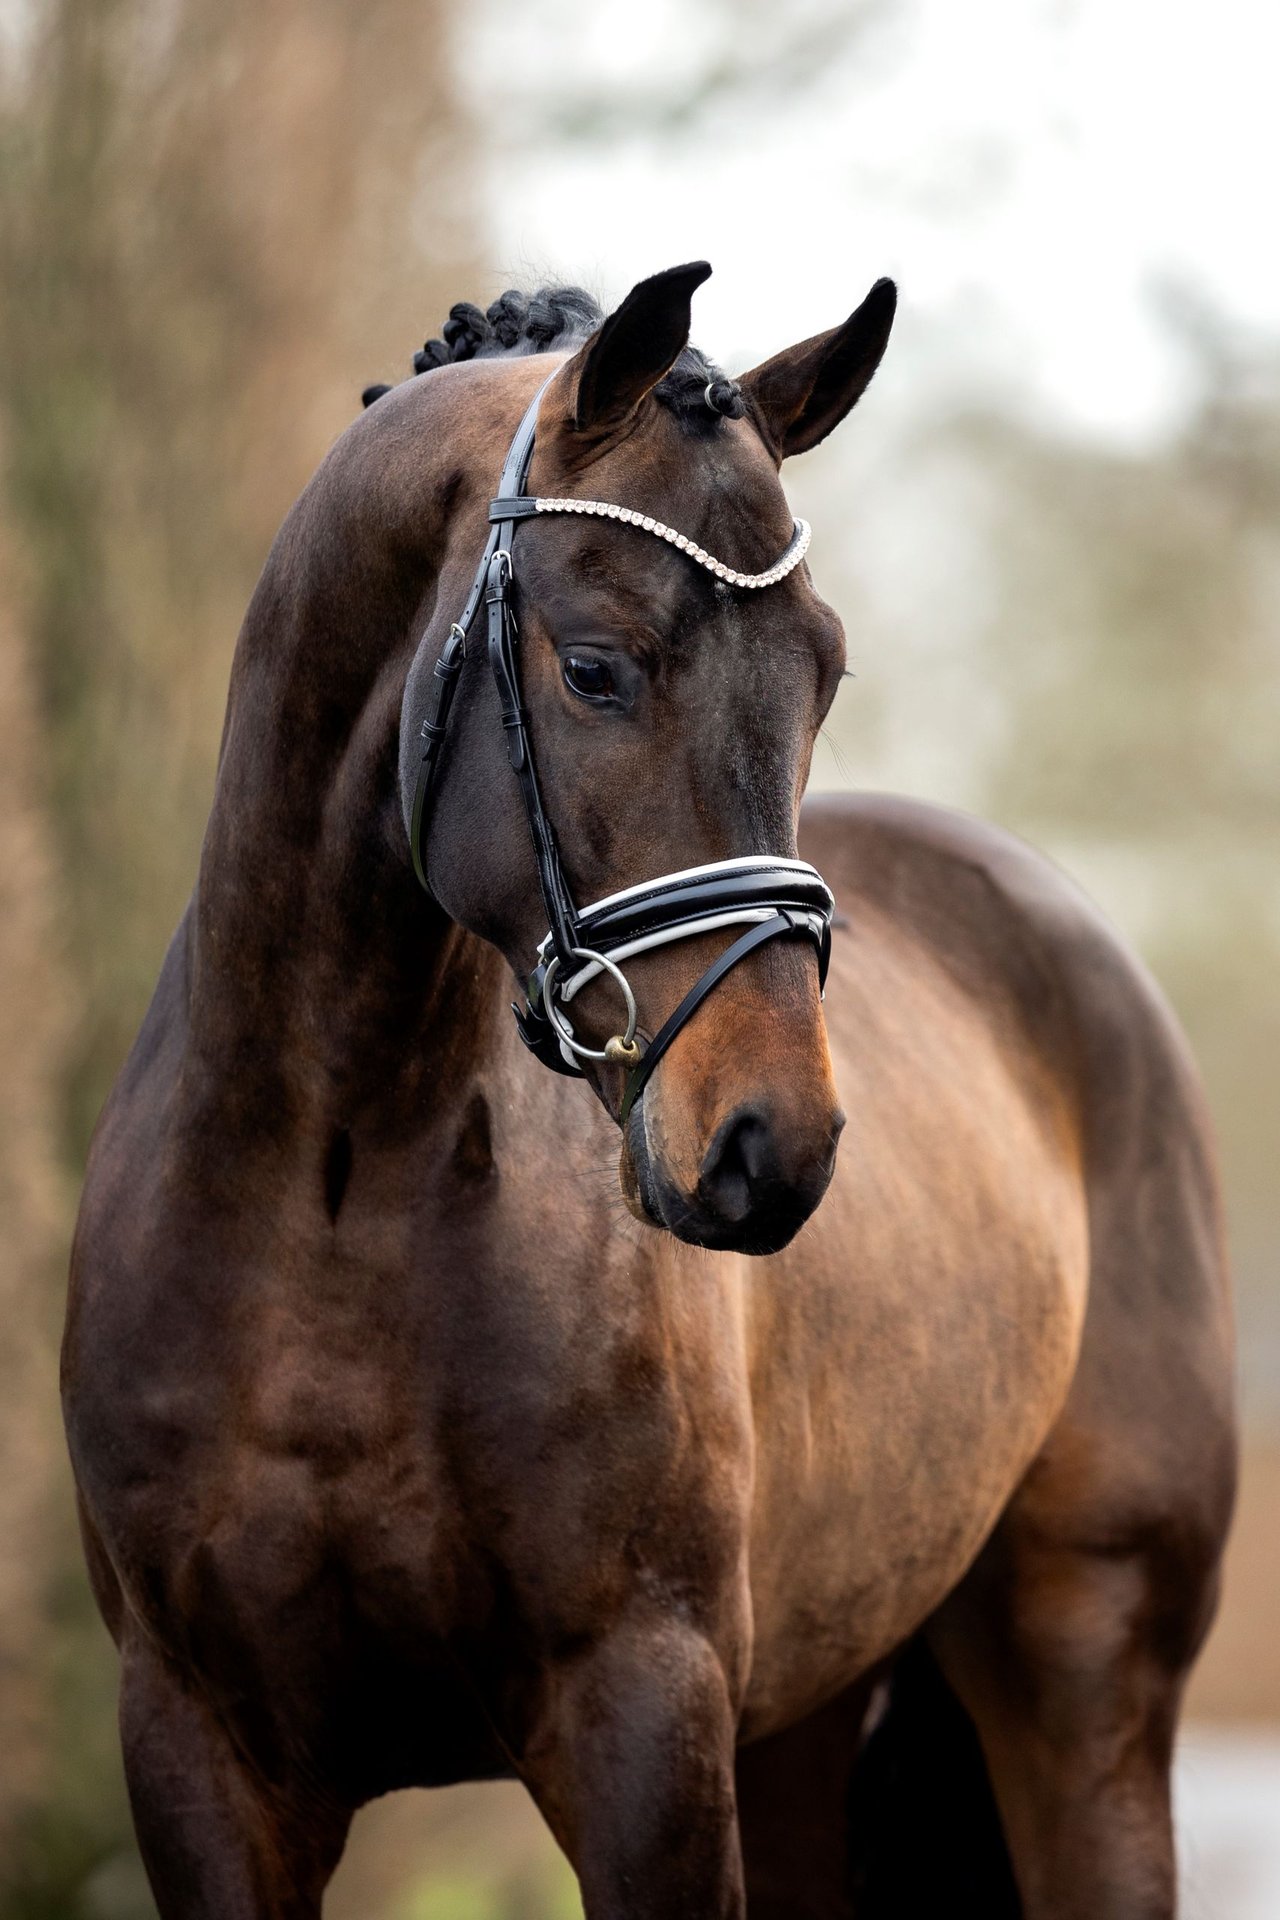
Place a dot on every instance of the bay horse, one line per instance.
(847, 1568)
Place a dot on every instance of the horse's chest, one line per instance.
(410, 1481)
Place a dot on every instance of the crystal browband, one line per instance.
(524, 508)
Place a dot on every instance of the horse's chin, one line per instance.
(656, 1203)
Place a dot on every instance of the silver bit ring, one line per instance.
(621, 1049)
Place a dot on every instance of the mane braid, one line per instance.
(559, 318)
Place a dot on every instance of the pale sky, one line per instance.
(1030, 171)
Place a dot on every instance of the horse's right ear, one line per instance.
(630, 351)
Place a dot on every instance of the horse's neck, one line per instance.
(316, 963)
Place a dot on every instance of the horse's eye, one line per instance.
(589, 679)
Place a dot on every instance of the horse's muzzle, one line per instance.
(757, 1185)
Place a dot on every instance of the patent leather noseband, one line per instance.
(771, 898)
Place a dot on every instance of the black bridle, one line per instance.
(776, 898)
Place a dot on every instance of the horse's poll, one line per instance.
(773, 898)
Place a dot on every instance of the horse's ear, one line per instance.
(629, 353)
(801, 394)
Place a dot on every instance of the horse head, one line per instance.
(663, 696)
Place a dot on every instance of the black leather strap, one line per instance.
(503, 661)
(781, 924)
(537, 1031)
(510, 507)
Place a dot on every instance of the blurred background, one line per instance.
(1053, 531)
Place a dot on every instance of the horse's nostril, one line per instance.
(762, 1176)
(741, 1164)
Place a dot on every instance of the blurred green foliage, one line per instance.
(552, 1895)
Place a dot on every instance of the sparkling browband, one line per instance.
(605, 510)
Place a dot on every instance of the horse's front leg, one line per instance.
(219, 1842)
(632, 1763)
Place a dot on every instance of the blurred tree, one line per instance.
(33, 1206)
(221, 218)
(1130, 627)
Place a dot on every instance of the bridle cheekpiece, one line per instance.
(772, 898)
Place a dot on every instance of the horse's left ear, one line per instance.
(801, 394)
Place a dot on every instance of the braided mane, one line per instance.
(553, 318)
